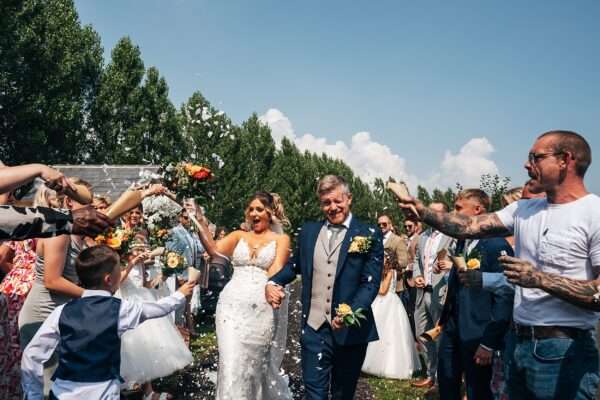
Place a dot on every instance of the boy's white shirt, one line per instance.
(43, 344)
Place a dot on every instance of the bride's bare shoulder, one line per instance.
(281, 238)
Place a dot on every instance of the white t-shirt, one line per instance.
(563, 239)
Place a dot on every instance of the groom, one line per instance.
(333, 273)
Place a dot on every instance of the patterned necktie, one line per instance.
(335, 233)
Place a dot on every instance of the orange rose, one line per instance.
(114, 243)
(473, 263)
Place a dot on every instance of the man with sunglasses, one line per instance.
(556, 269)
(395, 243)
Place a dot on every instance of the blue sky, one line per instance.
(438, 90)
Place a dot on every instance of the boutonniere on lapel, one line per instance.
(360, 244)
(349, 317)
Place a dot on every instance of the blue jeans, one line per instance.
(555, 368)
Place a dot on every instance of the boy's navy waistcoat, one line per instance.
(90, 346)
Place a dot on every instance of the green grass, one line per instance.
(393, 389)
(204, 345)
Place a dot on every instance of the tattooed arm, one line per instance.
(582, 293)
(462, 226)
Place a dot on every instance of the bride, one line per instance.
(250, 334)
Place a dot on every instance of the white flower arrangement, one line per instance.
(160, 211)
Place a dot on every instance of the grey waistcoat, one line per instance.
(324, 268)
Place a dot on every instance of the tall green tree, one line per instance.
(49, 70)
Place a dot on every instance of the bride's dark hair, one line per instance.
(274, 206)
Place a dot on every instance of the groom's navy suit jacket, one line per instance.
(357, 277)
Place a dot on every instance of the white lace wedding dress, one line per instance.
(251, 335)
(394, 355)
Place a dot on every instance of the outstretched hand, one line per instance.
(405, 201)
(274, 295)
(89, 222)
(56, 180)
(520, 272)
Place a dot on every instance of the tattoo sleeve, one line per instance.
(464, 227)
(580, 293)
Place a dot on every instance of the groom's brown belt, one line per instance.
(547, 332)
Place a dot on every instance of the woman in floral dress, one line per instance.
(14, 289)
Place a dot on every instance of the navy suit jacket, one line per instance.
(357, 280)
(477, 315)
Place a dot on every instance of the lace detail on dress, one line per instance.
(251, 335)
(264, 257)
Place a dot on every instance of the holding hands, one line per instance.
(274, 295)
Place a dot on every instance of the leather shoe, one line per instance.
(424, 383)
(431, 392)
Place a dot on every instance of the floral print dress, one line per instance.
(13, 291)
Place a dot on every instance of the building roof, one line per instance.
(111, 180)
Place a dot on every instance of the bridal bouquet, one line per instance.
(173, 263)
(160, 214)
(187, 180)
(348, 316)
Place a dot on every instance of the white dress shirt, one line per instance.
(386, 237)
(431, 248)
(346, 224)
(42, 346)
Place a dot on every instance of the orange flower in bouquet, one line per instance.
(188, 180)
(119, 239)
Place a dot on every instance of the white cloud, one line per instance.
(466, 167)
(280, 124)
(370, 159)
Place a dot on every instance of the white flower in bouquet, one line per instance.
(159, 210)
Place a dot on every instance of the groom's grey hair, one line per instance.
(332, 182)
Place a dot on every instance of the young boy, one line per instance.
(86, 333)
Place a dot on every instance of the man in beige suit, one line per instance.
(395, 243)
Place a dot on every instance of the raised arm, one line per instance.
(464, 227)
(14, 177)
(456, 225)
(20, 223)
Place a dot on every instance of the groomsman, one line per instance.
(396, 244)
(409, 295)
(477, 319)
(430, 279)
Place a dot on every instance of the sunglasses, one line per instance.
(383, 224)
(534, 158)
